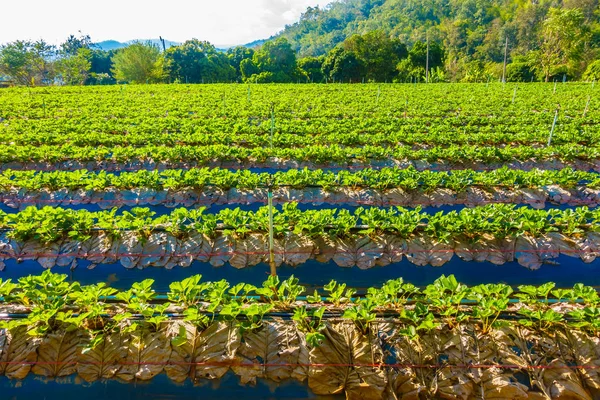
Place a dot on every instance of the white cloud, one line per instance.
(220, 22)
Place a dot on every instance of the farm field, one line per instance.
(137, 240)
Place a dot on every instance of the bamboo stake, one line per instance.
(553, 126)
(427, 63)
(272, 124)
(272, 266)
(587, 105)
(505, 58)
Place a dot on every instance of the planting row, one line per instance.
(390, 362)
(430, 343)
(366, 238)
(464, 156)
(50, 225)
(433, 133)
(329, 102)
(210, 196)
(385, 178)
(163, 250)
(386, 187)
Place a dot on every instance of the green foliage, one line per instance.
(520, 70)
(378, 53)
(54, 304)
(198, 62)
(593, 71)
(274, 62)
(50, 225)
(139, 63)
(413, 67)
(563, 38)
(236, 56)
(26, 62)
(312, 68)
(342, 65)
(74, 69)
(470, 31)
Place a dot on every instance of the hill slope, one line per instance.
(474, 28)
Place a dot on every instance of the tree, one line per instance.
(275, 61)
(311, 66)
(238, 54)
(248, 69)
(101, 66)
(378, 53)
(195, 61)
(75, 69)
(139, 63)
(73, 43)
(415, 64)
(562, 41)
(27, 62)
(593, 71)
(520, 70)
(343, 65)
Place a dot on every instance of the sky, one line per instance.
(221, 22)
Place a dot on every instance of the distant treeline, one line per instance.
(564, 44)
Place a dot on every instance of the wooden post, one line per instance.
(554, 91)
(378, 94)
(44, 105)
(514, 95)
(272, 124)
(552, 129)
(249, 100)
(505, 59)
(271, 241)
(427, 62)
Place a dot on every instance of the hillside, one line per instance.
(473, 28)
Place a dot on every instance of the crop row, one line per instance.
(464, 155)
(393, 337)
(471, 196)
(43, 298)
(330, 101)
(496, 233)
(50, 224)
(384, 188)
(352, 133)
(385, 178)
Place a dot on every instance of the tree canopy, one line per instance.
(138, 63)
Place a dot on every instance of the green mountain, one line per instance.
(468, 29)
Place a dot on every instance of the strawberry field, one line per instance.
(268, 233)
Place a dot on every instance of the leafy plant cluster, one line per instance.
(302, 109)
(385, 178)
(50, 224)
(317, 154)
(352, 132)
(53, 303)
(320, 124)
